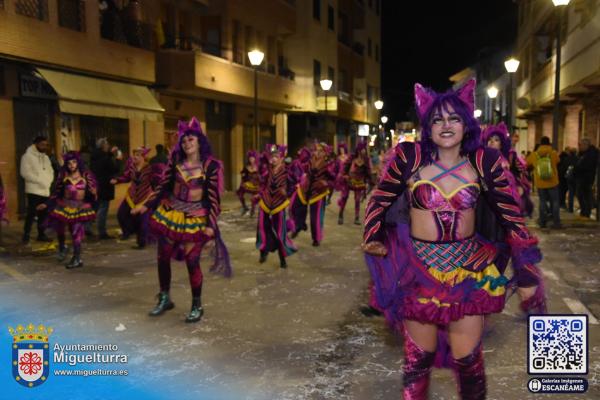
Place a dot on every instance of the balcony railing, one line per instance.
(37, 9)
(71, 14)
(119, 27)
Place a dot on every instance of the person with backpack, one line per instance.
(544, 161)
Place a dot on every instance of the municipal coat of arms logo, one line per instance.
(30, 354)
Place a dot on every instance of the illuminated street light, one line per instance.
(558, 3)
(492, 92)
(511, 65)
(378, 104)
(384, 119)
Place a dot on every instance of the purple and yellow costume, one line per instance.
(70, 206)
(357, 175)
(250, 183)
(187, 202)
(275, 190)
(143, 184)
(311, 193)
(438, 282)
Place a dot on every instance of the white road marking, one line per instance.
(248, 240)
(13, 273)
(550, 275)
(579, 308)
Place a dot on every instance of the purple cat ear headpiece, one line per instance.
(71, 155)
(424, 97)
(143, 150)
(272, 149)
(501, 131)
(192, 127)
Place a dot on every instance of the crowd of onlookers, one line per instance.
(39, 169)
(570, 175)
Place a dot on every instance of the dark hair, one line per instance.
(159, 148)
(545, 140)
(40, 138)
(472, 131)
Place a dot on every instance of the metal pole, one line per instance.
(325, 136)
(510, 103)
(256, 107)
(556, 112)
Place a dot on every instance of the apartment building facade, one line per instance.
(74, 72)
(579, 70)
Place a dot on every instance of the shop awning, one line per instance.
(102, 98)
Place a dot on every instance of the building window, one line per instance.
(370, 3)
(317, 72)
(71, 14)
(369, 47)
(238, 54)
(378, 6)
(317, 9)
(342, 81)
(1, 4)
(377, 52)
(37, 9)
(331, 74)
(330, 18)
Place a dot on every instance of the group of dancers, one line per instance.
(436, 269)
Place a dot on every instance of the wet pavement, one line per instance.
(270, 333)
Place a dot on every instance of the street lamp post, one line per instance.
(384, 120)
(511, 65)
(326, 85)
(492, 93)
(379, 106)
(561, 6)
(256, 57)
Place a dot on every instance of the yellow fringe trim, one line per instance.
(274, 211)
(460, 274)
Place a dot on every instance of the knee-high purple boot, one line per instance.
(417, 368)
(470, 374)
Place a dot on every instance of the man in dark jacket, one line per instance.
(585, 173)
(161, 156)
(105, 166)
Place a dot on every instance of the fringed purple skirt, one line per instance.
(436, 282)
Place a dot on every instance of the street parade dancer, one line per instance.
(311, 193)
(338, 167)
(434, 276)
(497, 137)
(356, 175)
(144, 178)
(277, 185)
(71, 205)
(186, 206)
(250, 183)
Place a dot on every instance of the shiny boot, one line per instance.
(341, 219)
(356, 220)
(282, 263)
(470, 374)
(417, 368)
(62, 253)
(164, 304)
(196, 312)
(263, 257)
(76, 261)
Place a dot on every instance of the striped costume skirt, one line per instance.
(436, 282)
(72, 212)
(180, 221)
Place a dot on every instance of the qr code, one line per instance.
(557, 344)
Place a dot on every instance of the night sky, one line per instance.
(427, 41)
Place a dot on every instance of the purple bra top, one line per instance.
(426, 195)
(74, 188)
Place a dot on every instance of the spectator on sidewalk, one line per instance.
(161, 156)
(585, 173)
(544, 161)
(105, 166)
(570, 177)
(36, 170)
